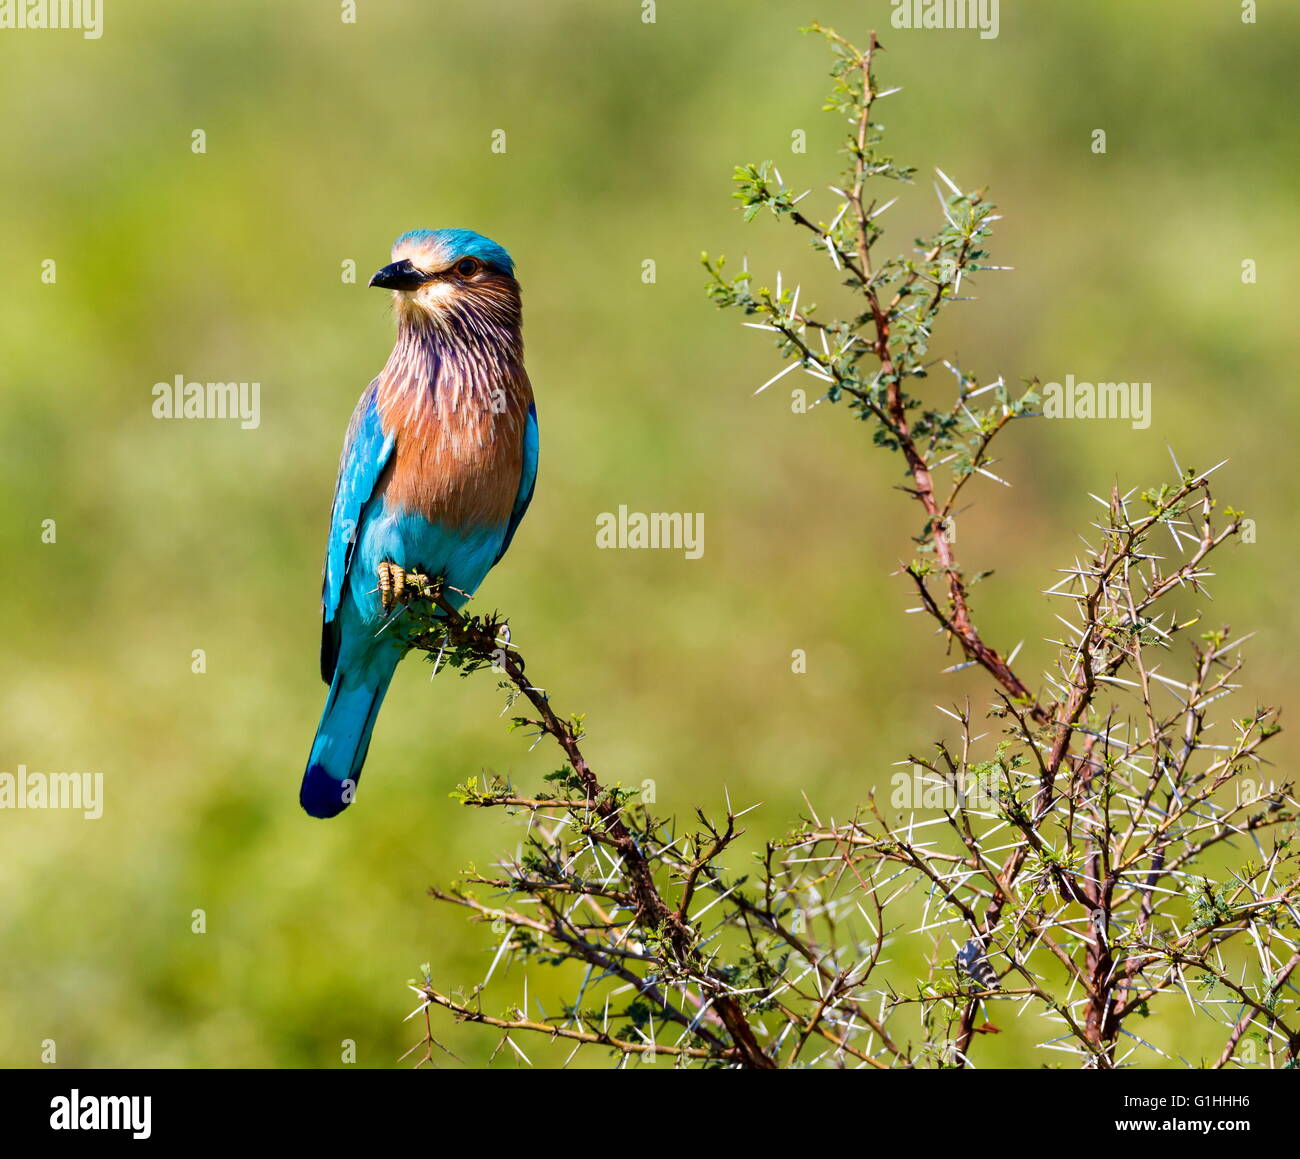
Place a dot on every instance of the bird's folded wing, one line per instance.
(366, 451)
(527, 480)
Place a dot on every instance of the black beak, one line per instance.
(399, 276)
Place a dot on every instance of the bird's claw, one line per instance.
(394, 581)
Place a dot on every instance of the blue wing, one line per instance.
(527, 481)
(366, 450)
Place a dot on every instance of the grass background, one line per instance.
(324, 141)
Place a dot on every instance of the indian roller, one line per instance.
(438, 468)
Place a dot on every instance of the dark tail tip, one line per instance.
(325, 796)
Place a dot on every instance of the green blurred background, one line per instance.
(324, 141)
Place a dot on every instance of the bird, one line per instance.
(438, 469)
(972, 958)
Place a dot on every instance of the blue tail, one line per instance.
(342, 739)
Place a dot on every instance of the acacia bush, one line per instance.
(1094, 845)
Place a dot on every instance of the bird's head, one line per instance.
(441, 275)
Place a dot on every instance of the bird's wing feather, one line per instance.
(366, 451)
(527, 481)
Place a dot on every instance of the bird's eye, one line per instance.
(467, 267)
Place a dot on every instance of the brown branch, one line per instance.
(652, 910)
(465, 1014)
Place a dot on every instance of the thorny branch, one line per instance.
(1081, 863)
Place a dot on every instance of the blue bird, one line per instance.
(438, 468)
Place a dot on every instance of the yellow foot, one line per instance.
(393, 582)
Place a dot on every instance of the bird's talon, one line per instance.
(392, 582)
(397, 584)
